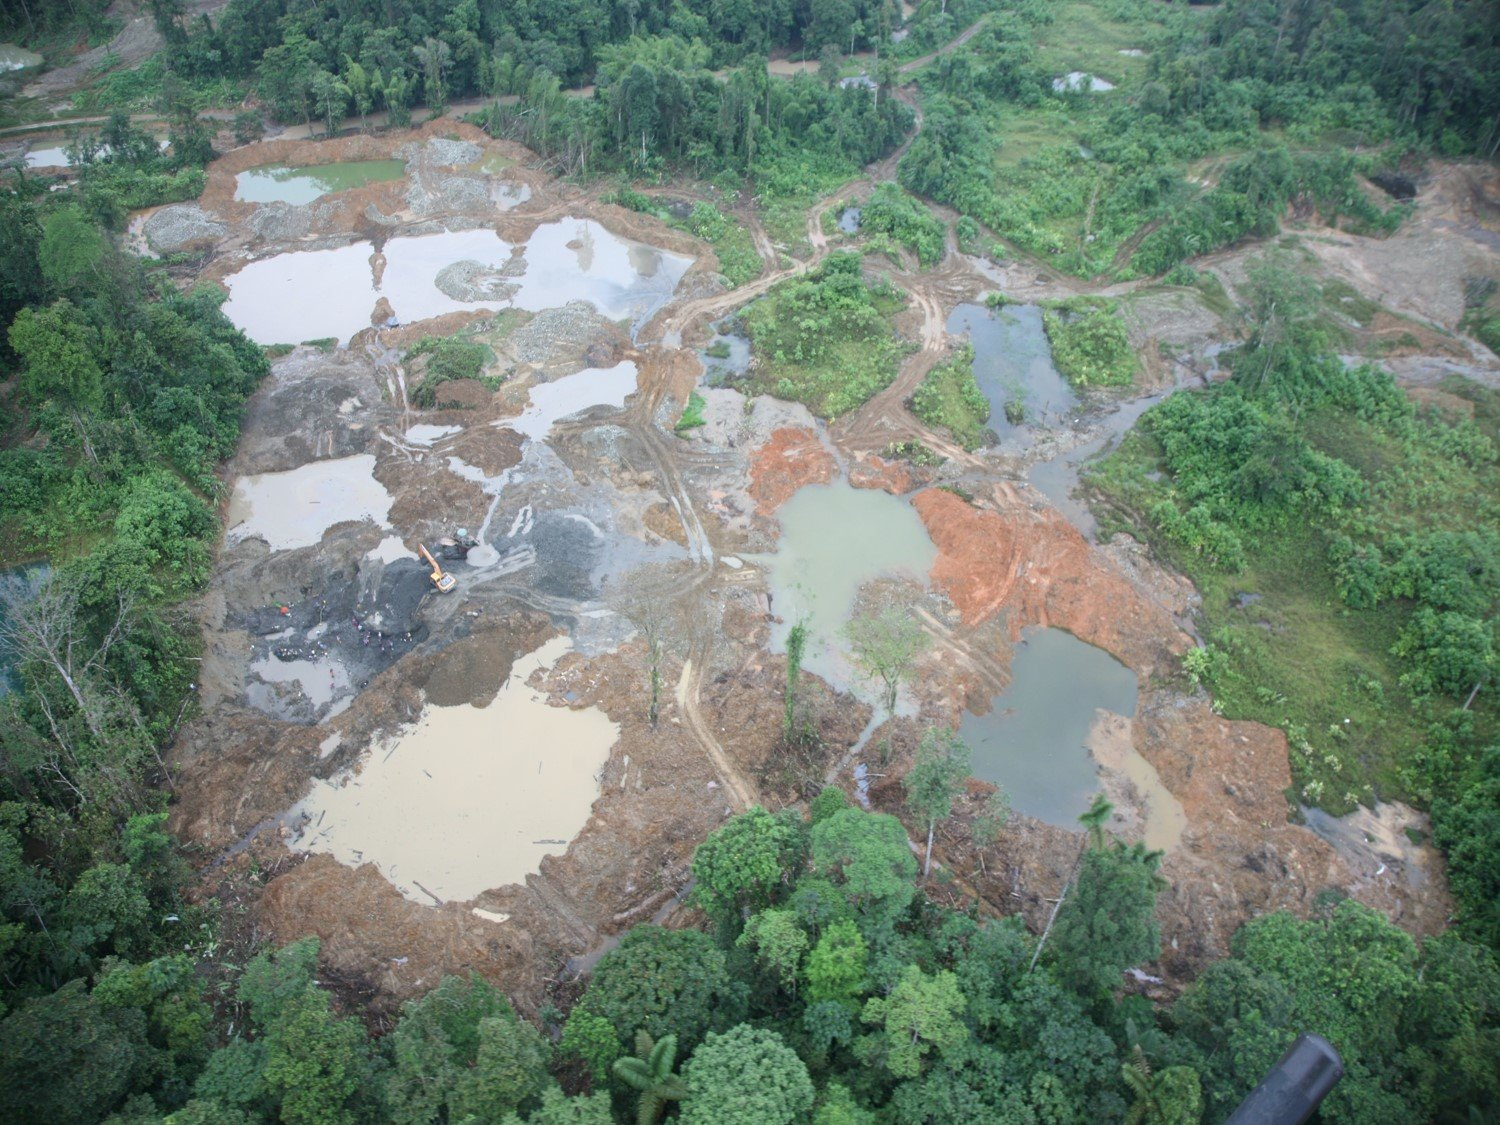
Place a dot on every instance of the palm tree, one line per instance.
(1095, 819)
(650, 1072)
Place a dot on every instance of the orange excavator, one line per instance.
(441, 579)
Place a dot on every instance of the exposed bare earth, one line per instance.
(1006, 562)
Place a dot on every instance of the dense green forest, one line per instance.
(830, 990)
(125, 395)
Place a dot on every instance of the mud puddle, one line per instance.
(283, 183)
(834, 539)
(1033, 741)
(323, 683)
(549, 403)
(725, 357)
(1133, 784)
(470, 798)
(573, 394)
(293, 509)
(52, 157)
(331, 294)
(1013, 365)
(425, 433)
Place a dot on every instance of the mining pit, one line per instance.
(438, 782)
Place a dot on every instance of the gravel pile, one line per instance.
(445, 152)
(433, 193)
(281, 222)
(469, 280)
(558, 335)
(181, 226)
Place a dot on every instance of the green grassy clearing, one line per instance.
(1285, 646)
(826, 339)
(950, 398)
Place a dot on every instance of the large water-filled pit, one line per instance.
(449, 799)
(1044, 740)
(1064, 715)
(835, 538)
(468, 798)
(321, 294)
(298, 184)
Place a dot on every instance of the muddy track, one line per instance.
(739, 790)
(952, 45)
(562, 907)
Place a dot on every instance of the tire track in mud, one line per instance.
(993, 676)
(561, 906)
(739, 790)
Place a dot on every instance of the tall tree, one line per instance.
(747, 1076)
(1108, 924)
(935, 780)
(921, 1014)
(884, 644)
(649, 1072)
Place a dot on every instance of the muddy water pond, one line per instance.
(293, 509)
(1013, 363)
(469, 798)
(1033, 741)
(52, 157)
(320, 294)
(834, 539)
(573, 394)
(282, 183)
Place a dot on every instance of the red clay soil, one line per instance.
(1036, 568)
(896, 477)
(792, 458)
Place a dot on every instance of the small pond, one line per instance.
(13, 57)
(726, 357)
(293, 509)
(1033, 741)
(54, 156)
(834, 539)
(1013, 361)
(849, 220)
(1076, 80)
(282, 183)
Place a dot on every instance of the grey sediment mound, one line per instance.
(559, 335)
(181, 226)
(450, 153)
(468, 280)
